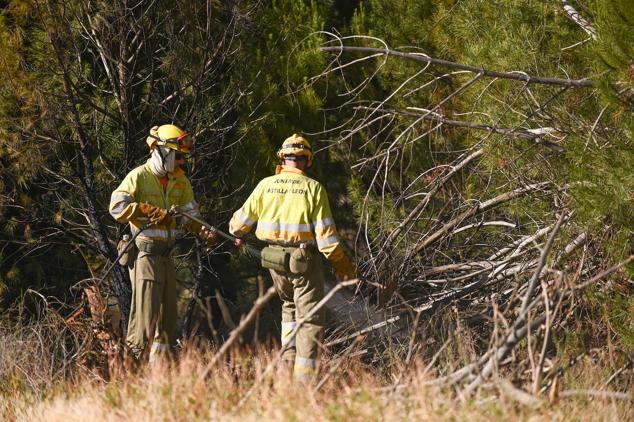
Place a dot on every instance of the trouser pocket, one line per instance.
(299, 261)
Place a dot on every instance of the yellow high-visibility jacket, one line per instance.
(141, 185)
(291, 208)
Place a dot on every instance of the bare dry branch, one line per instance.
(518, 76)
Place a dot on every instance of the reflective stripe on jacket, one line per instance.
(141, 185)
(289, 207)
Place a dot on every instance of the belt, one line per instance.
(290, 247)
(161, 249)
(290, 243)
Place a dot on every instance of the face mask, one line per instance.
(162, 161)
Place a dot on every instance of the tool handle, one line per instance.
(253, 252)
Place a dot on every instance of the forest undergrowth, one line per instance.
(478, 159)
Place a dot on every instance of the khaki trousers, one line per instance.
(153, 309)
(299, 295)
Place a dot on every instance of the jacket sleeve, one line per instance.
(323, 223)
(123, 205)
(245, 218)
(327, 238)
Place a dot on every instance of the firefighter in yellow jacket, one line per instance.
(293, 216)
(145, 195)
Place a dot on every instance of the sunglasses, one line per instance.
(180, 156)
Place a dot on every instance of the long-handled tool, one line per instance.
(251, 251)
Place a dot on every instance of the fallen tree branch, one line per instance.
(520, 328)
(531, 134)
(542, 262)
(423, 203)
(579, 20)
(464, 291)
(442, 299)
(481, 207)
(517, 75)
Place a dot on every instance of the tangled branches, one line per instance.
(454, 213)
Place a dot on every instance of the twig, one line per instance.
(512, 339)
(616, 374)
(463, 266)
(412, 340)
(519, 244)
(338, 364)
(598, 393)
(235, 334)
(542, 357)
(486, 224)
(604, 273)
(224, 310)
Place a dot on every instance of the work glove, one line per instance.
(156, 214)
(345, 270)
(210, 236)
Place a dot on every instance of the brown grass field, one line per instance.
(251, 386)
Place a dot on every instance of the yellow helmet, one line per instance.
(296, 145)
(172, 137)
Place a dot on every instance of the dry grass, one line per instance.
(50, 370)
(174, 391)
